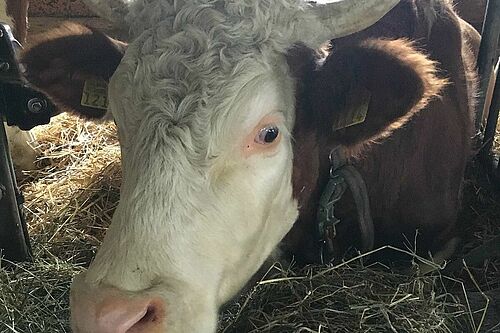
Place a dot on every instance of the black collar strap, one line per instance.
(343, 176)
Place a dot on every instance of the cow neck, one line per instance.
(342, 176)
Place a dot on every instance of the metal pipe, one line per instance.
(492, 122)
(487, 54)
(496, 169)
(14, 241)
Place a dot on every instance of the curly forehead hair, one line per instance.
(192, 53)
(258, 18)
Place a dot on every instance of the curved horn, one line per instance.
(345, 17)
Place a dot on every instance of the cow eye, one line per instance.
(267, 135)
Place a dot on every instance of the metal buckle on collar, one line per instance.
(327, 220)
(334, 189)
(343, 176)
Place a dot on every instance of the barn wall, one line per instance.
(59, 8)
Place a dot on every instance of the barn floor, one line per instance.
(70, 199)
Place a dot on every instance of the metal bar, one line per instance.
(487, 54)
(496, 169)
(14, 241)
(492, 122)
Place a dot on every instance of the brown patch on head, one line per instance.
(398, 80)
(302, 63)
(60, 61)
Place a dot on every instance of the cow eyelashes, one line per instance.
(267, 135)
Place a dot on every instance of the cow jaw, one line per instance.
(193, 229)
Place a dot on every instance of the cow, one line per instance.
(15, 14)
(230, 124)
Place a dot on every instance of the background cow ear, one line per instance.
(366, 91)
(72, 65)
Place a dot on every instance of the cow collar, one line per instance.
(341, 177)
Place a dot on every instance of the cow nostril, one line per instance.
(150, 316)
(153, 317)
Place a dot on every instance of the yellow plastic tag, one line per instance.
(356, 105)
(95, 94)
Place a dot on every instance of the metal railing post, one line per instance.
(14, 241)
(492, 122)
(487, 57)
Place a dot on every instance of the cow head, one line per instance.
(204, 103)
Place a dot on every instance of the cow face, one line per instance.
(208, 193)
(204, 104)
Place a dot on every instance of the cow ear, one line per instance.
(366, 91)
(72, 65)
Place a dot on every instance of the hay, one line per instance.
(347, 298)
(70, 200)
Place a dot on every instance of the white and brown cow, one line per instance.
(225, 130)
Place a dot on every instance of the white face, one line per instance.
(201, 208)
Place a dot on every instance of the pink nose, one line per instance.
(112, 311)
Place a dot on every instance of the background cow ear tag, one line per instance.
(95, 94)
(356, 108)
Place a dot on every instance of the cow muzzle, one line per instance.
(101, 309)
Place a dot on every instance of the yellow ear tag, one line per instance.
(95, 94)
(356, 108)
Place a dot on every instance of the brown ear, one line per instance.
(365, 91)
(64, 60)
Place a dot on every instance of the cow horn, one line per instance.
(345, 17)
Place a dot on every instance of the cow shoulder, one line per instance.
(367, 90)
(68, 59)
